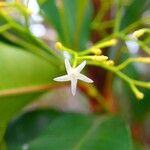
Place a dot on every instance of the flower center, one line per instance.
(74, 74)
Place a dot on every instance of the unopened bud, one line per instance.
(96, 51)
(58, 45)
(139, 95)
(139, 33)
(100, 58)
(113, 41)
(110, 62)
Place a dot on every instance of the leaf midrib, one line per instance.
(87, 134)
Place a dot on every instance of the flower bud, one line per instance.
(96, 51)
(139, 33)
(110, 63)
(139, 95)
(113, 42)
(99, 58)
(58, 45)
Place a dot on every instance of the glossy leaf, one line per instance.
(71, 20)
(3, 145)
(83, 133)
(28, 126)
(133, 12)
(20, 69)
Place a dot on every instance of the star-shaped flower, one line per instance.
(73, 74)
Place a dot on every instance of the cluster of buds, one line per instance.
(102, 59)
(96, 51)
(94, 56)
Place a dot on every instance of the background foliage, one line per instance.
(114, 118)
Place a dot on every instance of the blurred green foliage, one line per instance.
(28, 65)
(71, 131)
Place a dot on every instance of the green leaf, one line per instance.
(21, 74)
(29, 125)
(71, 20)
(52, 15)
(2, 145)
(83, 133)
(2, 130)
(133, 12)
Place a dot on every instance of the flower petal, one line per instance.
(81, 66)
(62, 78)
(73, 86)
(84, 78)
(68, 66)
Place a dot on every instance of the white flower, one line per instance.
(73, 74)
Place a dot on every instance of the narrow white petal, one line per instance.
(68, 66)
(81, 66)
(84, 78)
(73, 86)
(62, 78)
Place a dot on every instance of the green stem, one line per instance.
(142, 84)
(130, 60)
(63, 48)
(75, 61)
(134, 25)
(100, 45)
(141, 44)
(138, 94)
(127, 79)
(118, 17)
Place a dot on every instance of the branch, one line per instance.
(130, 60)
(27, 90)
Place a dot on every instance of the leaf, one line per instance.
(21, 70)
(2, 145)
(2, 130)
(71, 20)
(52, 15)
(133, 12)
(79, 132)
(28, 126)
